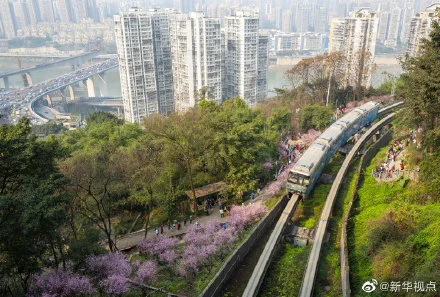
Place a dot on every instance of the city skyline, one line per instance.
(286, 16)
(169, 63)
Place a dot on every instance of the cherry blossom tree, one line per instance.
(243, 216)
(115, 285)
(111, 272)
(146, 271)
(102, 266)
(157, 246)
(61, 283)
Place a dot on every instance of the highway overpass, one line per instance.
(26, 72)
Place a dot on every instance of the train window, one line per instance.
(299, 179)
(293, 178)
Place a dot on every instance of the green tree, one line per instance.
(98, 171)
(184, 140)
(205, 93)
(315, 117)
(100, 117)
(51, 127)
(239, 143)
(421, 84)
(97, 180)
(32, 205)
(145, 164)
(280, 119)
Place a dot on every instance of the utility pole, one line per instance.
(393, 87)
(328, 90)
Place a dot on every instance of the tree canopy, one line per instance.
(315, 117)
(421, 84)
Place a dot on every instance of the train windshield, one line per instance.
(299, 179)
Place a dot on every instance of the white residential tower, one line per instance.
(144, 53)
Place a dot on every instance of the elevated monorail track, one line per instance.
(312, 264)
(263, 263)
(389, 108)
(266, 256)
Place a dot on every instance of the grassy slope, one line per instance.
(284, 278)
(407, 254)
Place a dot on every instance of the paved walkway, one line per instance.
(130, 240)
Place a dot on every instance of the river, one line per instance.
(275, 78)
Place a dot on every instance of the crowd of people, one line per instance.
(340, 111)
(177, 225)
(391, 168)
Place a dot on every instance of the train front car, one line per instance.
(304, 175)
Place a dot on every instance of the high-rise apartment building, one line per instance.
(305, 17)
(64, 11)
(278, 17)
(263, 60)
(79, 10)
(287, 21)
(197, 58)
(186, 6)
(393, 27)
(382, 31)
(20, 13)
(321, 20)
(408, 14)
(355, 37)
(7, 23)
(421, 27)
(246, 57)
(145, 65)
(47, 13)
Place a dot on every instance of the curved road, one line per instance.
(23, 100)
(71, 78)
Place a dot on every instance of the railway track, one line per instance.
(266, 256)
(263, 263)
(310, 274)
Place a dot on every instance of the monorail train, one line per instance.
(306, 172)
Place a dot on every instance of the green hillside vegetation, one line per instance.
(395, 234)
(62, 195)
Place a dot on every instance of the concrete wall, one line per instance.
(365, 160)
(231, 264)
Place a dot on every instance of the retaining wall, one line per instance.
(365, 160)
(231, 264)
